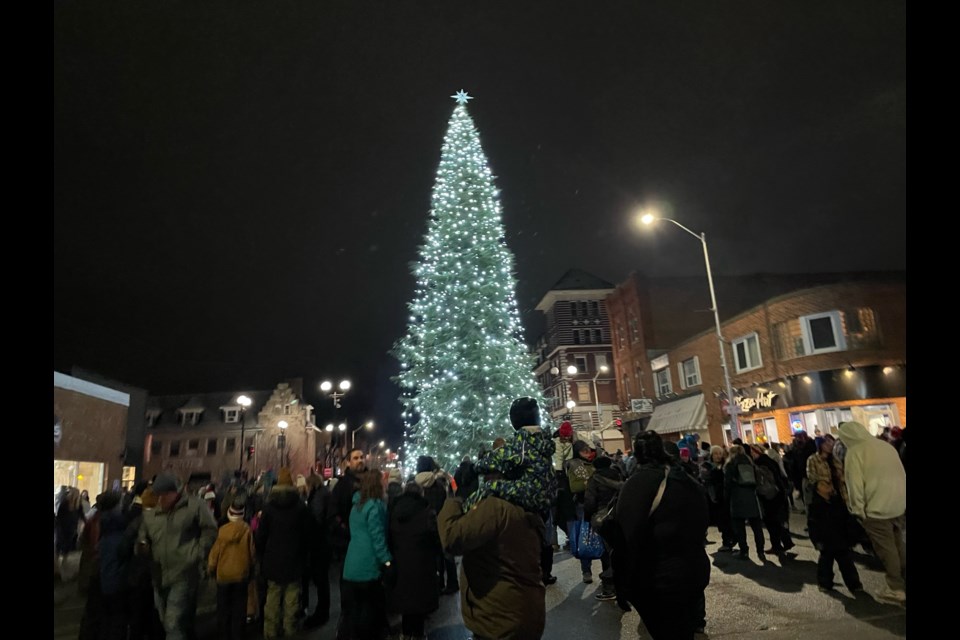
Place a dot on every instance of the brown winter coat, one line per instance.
(231, 557)
(501, 592)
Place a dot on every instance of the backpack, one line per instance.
(766, 484)
(746, 475)
(579, 475)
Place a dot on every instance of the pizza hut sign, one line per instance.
(763, 400)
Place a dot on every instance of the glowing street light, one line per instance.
(283, 438)
(649, 218)
(244, 402)
(603, 369)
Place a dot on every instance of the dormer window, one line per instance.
(190, 417)
(231, 415)
(153, 417)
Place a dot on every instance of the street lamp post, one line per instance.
(649, 218)
(283, 439)
(327, 387)
(353, 432)
(603, 369)
(244, 402)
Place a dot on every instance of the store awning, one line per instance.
(685, 414)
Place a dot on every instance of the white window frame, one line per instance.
(190, 418)
(577, 360)
(736, 361)
(840, 344)
(231, 415)
(656, 380)
(684, 383)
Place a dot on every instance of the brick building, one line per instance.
(207, 437)
(89, 435)
(809, 357)
(578, 335)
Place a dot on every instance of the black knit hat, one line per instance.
(524, 412)
(426, 463)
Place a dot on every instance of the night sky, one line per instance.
(239, 187)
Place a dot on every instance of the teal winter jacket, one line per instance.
(368, 550)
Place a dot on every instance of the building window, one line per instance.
(600, 360)
(193, 447)
(662, 380)
(581, 363)
(231, 445)
(822, 332)
(190, 418)
(788, 339)
(594, 308)
(689, 372)
(287, 409)
(747, 352)
(175, 449)
(597, 336)
(153, 417)
(583, 392)
(156, 447)
(634, 330)
(576, 336)
(212, 447)
(573, 309)
(626, 386)
(231, 416)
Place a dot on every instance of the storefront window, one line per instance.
(129, 477)
(82, 475)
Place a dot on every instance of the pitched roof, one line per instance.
(578, 279)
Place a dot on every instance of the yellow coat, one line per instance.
(231, 557)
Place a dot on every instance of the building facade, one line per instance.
(808, 359)
(574, 364)
(210, 437)
(89, 435)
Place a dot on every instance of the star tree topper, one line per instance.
(461, 97)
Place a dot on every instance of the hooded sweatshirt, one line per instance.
(232, 554)
(876, 480)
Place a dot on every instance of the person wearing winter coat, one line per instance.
(414, 545)
(142, 617)
(501, 594)
(231, 562)
(602, 488)
(659, 563)
(523, 467)
(466, 478)
(281, 541)
(829, 526)
(775, 510)
(579, 471)
(368, 559)
(565, 509)
(112, 566)
(341, 503)
(740, 483)
(69, 515)
(436, 489)
(318, 568)
(711, 475)
(178, 535)
(877, 496)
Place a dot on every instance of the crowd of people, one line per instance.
(392, 544)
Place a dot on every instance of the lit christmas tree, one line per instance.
(463, 359)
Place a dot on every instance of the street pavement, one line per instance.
(744, 600)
